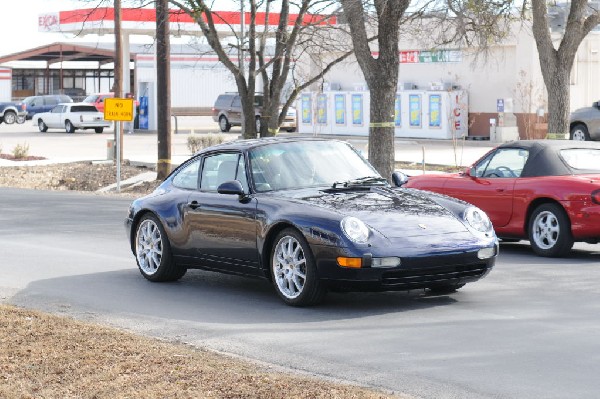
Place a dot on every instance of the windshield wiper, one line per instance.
(359, 182)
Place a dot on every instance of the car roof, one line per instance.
(242, 145)
(544, 156)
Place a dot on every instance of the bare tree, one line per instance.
(380, 72)
(556, 63)
(163, 89)
(274, 64)
(470, 22)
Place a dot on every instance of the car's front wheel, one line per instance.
(550, 231)
(580, 133)
(69, 128)
(99, 129)
(224, 124)
(153, 252)
(42, 126)
(10, 117)
(294, 271)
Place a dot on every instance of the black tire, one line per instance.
(10, 117)
(224, 124)
(69, 128)
(98, 129)
(445, 289)
(153, 251)
(257, 124)
(291, 129)
(21, 119)
(580, 132)
(550, 231)
(296, 269)
(42, 126)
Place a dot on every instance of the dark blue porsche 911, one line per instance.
(310, 215)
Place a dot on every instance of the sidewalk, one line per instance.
(142, 148)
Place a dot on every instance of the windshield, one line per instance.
(91, 99)
(582, 158)
(307, 164)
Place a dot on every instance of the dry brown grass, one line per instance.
(45, 356)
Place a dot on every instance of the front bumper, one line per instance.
(418, 272)
(91, 125)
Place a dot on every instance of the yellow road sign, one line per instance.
(118, 109)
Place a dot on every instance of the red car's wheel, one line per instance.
(550, 231)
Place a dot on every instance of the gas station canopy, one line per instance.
(142, 21)
(59, 52)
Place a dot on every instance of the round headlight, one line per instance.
(355, 229)
(477, 219)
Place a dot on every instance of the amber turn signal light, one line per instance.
(355, 263)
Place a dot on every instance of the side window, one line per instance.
(237, 102)
(50, 101)
(241, 173)
(218, 169)
(482, 166)
(57, 110)
(224, 101)
(187, 177)
(506, 162)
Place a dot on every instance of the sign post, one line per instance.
(121, 110)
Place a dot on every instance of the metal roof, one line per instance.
(58, 52)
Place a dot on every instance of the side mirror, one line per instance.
(596, 104)
(232, 187)
(399, 179)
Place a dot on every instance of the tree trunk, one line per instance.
(118, 73)
(381, 134)
(163, 89)
(555, 63)
(558, 104)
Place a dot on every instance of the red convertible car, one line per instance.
(547, 192)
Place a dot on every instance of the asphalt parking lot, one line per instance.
(528, 330)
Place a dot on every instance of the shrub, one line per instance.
(196, 142)
(21, 151)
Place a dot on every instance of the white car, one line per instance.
(71, 116)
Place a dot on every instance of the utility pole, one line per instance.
(163, 89)
(118, 72)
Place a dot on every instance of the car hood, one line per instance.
(392, 212)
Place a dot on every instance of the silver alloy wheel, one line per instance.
(546, 230)
(41, 126)
(289, 267)
(148, 247)
(578, 134)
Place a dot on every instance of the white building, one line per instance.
(509, 76)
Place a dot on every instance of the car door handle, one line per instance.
(194, 205)
(500, 190)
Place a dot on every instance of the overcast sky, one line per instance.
(19, 25)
